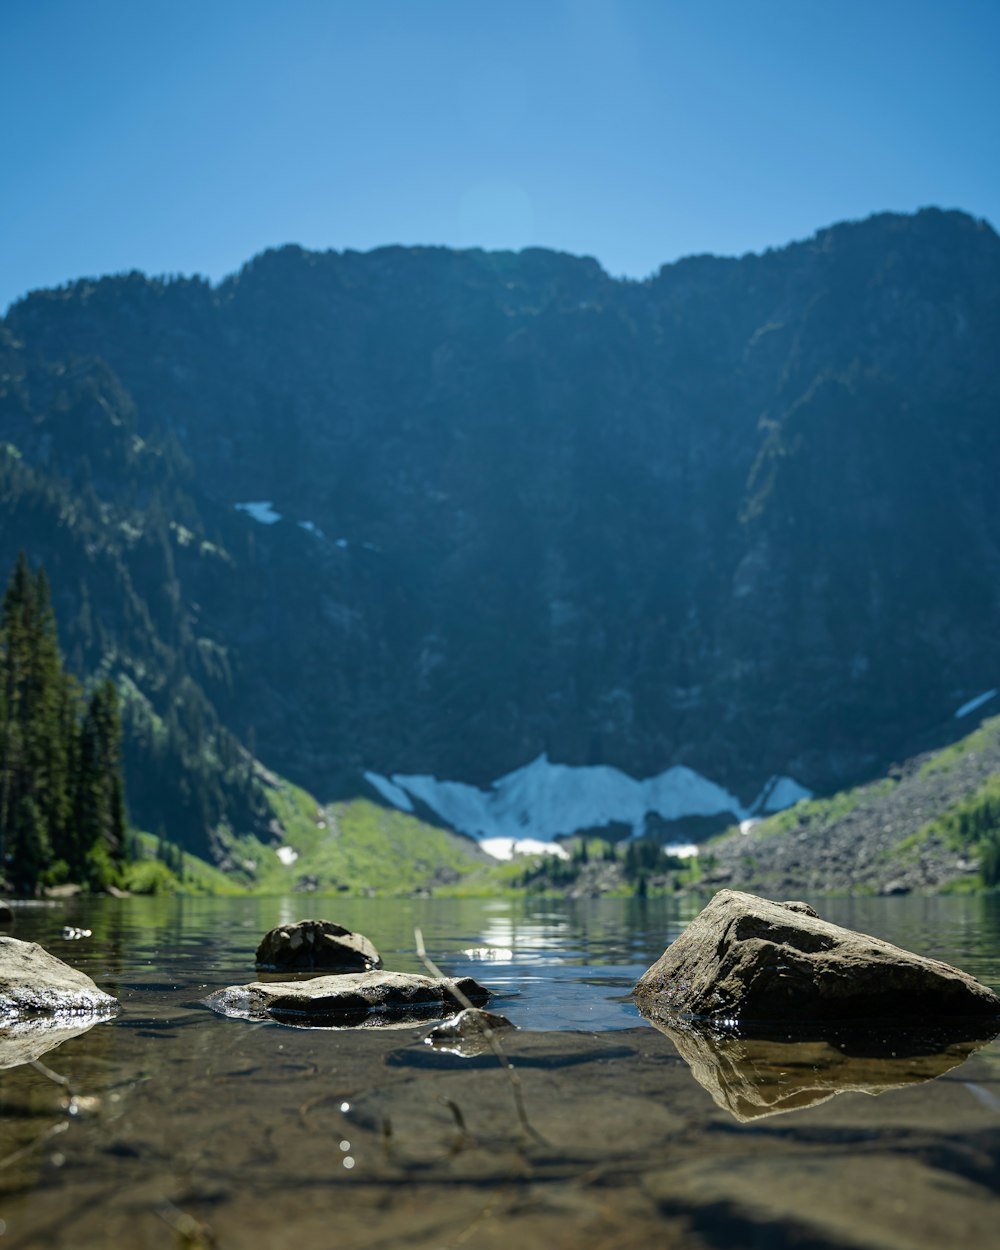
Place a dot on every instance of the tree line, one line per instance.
(62, 801)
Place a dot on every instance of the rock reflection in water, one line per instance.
(26, 1040)
(755, 1077)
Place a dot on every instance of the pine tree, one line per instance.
(62, 804)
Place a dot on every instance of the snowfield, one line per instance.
(533, 805)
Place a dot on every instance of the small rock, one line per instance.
(316, 946)
(346, 999)
(33, 983)
(745, 961)
(467, 1033)
(6, 912)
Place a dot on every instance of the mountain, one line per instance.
(422, 513)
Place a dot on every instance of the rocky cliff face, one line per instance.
(741, 517)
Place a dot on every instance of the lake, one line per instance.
(181, 1128)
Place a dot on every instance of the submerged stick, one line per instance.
(491, 1037)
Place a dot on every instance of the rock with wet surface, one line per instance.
(316, 946)
(35, 983)
(744, 961)
(468, 1033)
(347, 999)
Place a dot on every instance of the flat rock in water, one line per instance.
(346, 999)
(744, 961)
(316, 946)
(35, 983)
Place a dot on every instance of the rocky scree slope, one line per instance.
(902, 832)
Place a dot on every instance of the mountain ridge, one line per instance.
(529, 508)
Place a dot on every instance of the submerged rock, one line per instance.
(35, 983)
(745, 961)
(6, 912)
(316, 946)
(346, 999)
(468, 1033)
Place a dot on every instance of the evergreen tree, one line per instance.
(62, 804)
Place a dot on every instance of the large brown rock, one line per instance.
(35, 983)
(316, 946)
(746, 961)
(347, 999)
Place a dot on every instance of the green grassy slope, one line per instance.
(353, 846)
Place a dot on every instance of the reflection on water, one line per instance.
(32, 1038)
(754, 1077)
(182, 1113)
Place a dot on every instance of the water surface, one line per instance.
(181, 1128)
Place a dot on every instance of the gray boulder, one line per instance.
(35, 983)
(369, 998)
(316, 946)
(746, 961)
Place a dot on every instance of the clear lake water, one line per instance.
(177, 1127)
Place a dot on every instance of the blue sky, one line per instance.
(187, 137)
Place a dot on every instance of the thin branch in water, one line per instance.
(460, 1136)
(491, 1037)
(53, 1131)
(53, 1076)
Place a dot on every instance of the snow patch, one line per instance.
(287, 855)
(779, 793)
(507, 848)
(972, 704)
(392, 794)
(542, 801)
(683, 850)
(261, 511)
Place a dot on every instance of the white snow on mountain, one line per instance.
(972, 704)
(507, 848)
(543, 801)
(779, 793)
(392, 794)
(261, 510)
